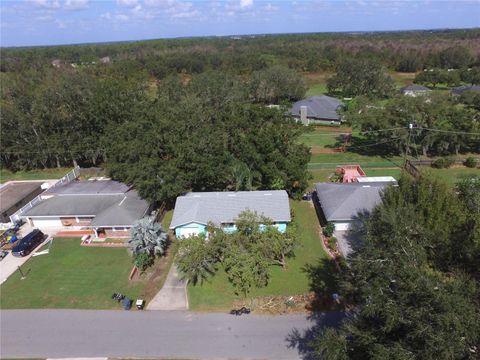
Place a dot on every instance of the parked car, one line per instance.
(28, 243)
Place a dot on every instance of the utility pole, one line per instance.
(410, 127)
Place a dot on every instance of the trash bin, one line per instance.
(127, 304)
(140, 304)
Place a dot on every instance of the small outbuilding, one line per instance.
(317, 110)
(195, 210)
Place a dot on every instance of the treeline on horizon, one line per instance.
(404, 51)
(189, 114)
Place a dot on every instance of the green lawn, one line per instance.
(44, 174)
(71, 276)
(317, 89)
(330, 161)
(402, 79)
(167, 219)
(218, 294)
(451, 175)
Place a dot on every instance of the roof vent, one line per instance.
(267, 194)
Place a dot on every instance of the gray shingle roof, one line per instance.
(224, 207)
(14, 192)
(319, 107)
(414, 87)
(345, 201)
(107, 210)
(73, 205)
(124, 213)
(461, 89)
(89, 187)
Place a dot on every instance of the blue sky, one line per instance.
(49, 22)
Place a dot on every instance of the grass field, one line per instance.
(71, 276)
(329, 161)
(317, 90)
(44, 174)
(218, 294)
(451, 175)
(402, 79)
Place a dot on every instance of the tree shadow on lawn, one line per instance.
(326, 312)
(369, 147)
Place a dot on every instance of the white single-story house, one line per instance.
(195, 210)
(105, 207)
(342, 203)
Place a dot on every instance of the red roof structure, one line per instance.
(350, 173)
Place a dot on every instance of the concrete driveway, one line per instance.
(173, 295)
(154, 334)
(348, 242)
(11, 263)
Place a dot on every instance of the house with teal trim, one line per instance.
(195, 210)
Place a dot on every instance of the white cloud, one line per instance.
(159, 3)
(270, 8)
(44, 18)
(75, 4)
(60, 24)
(127, 3)
(186, 14)
(121, 17)
(46, 4)
(245, 4)
(115, 17)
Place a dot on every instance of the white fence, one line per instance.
(72, 175)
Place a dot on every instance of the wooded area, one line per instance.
(189, 114)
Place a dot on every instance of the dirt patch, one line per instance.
(155, 276)
(315, 150)
(294, 304)
(333, 129)
(317, 77)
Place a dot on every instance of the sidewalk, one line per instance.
(173, 295)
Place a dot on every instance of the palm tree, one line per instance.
(148, 237)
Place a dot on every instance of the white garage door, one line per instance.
(342, 226)
(47, 223)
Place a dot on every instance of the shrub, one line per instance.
(143, 261)
(471, 162)
(328, 229)
(333, 243)
(443, 163)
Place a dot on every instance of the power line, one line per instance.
(449, 131)
(378, 143)
(382, 130)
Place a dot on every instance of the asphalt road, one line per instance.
(177, 334)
